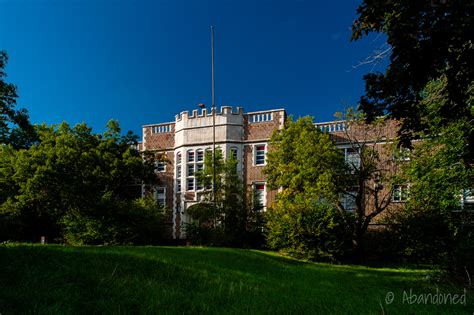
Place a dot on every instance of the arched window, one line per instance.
(178, 158)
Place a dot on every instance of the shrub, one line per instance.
(307, 229)
(119, 222)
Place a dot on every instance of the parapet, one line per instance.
(224, 111)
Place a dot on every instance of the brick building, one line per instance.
(183, 143)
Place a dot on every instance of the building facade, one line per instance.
(180, 148)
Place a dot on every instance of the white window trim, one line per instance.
(407, 191)
(157, 162)
(254, 184)
(164, 195)
(254, 155)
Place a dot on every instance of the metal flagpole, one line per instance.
(213, 130)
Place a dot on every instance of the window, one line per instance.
(178, 158)
(161, 129)
(160, 195)
(190, 170)
(348, 200)
(259, 156)
(199, 156)
(199, 185)
(190, 184)
(194, 163)
(178, 171)
(400, 193)
(160, 166)
(256, 118)
(190, 156)
(259, 196)
(468, 195)
(352, 157)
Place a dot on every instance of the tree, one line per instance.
(304, 165)
(226, 223)
(438, 177)
(15, 127)
(77, 186)
(428, 40)
(368, 179)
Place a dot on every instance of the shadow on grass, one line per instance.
(52, 279)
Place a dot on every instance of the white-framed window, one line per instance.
(259, 200)
(199, 156)
(160, 195)
(352, 157)
(190, 184)
(178, 158)
(468, 195)
(260, 151)
(400, 193)
(190, 168)
(262, 117)
(190, 156)
(199, 185)
(160, 166)
(178, 171)
(161, 129)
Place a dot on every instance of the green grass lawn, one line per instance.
(188, 280)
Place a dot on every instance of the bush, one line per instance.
(115, 222)
(307, 229)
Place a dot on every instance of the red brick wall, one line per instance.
(262, 130)
(157, 141)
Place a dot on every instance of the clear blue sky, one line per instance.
(142, 62)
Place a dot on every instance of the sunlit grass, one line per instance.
(188, 280)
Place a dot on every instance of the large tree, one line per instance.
(427, 40)
(76, 185)
(15, 127)
(372, 163)
(305, 166)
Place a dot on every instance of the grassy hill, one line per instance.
(188, 280)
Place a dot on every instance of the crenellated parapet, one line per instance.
(224, 111)
(197, 126)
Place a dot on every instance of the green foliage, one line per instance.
(307, 229)
(438, 171)
(427, 40)
(115, 222)
(302, 159)
(304, 165)
(73, 174)
(224, 224)
(15, 127)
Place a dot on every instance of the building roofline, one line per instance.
(265, 111)
(159, 124)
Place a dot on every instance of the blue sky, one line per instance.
(141, 62)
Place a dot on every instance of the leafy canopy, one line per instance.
(428, 40)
